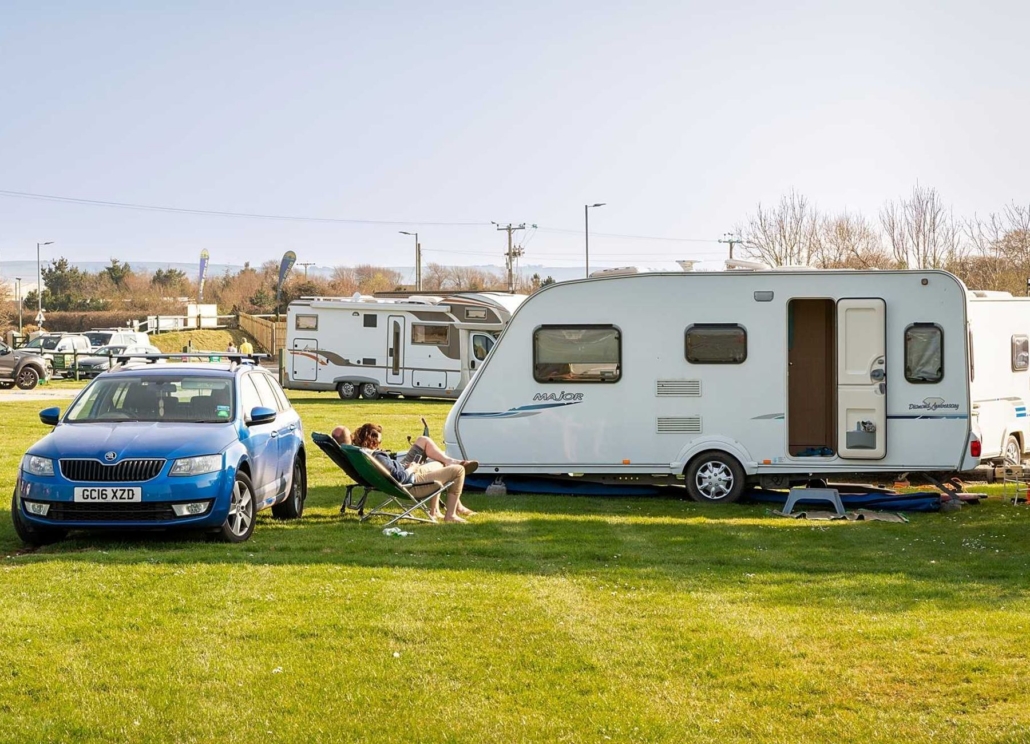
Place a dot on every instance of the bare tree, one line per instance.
(920, 230)
(848, 241)
(344, 281)
(784, 235)
(435, 277)
(999, 250)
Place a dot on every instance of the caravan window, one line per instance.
(1020, 353)
(370, 320)
(716, 343)
(589, 353)
(435, 335)
(306, 323)
(924, 353)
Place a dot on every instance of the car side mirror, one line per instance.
(50, 416)
(261, 415)
(4, 351)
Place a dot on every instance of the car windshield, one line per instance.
(201, 399)
(43, 342)
(109, 350)
(98, 339)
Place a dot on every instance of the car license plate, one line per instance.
(108, 494)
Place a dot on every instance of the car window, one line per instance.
(284, 402)
(172, 397)
(268, 399)
(249, 396)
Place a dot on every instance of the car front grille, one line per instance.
(94, 471)
(68, 512)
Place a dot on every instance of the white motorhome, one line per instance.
(726, 379)
(417, 346)
(999, 328)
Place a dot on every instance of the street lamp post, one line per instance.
(17, 293)
(586, 230)
(39, 280)
(418, 259)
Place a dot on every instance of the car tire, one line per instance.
(293, 506)
(370, 391)
(347, 390)
(1013, 452)
(27, 378)
(239, 523)
(30, 534)
(715, 478)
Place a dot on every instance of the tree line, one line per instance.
(917, 231)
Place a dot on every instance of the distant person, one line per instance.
(246, 347)
(411, 470)
(231, 349)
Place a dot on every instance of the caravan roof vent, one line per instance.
(738, 264)
(687, 265)
(620, 271)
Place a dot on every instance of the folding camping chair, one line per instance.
(332, 450)
(368, 473)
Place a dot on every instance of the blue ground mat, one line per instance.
(526, 484)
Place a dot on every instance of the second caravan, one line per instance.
(727, 379)
(416, 346)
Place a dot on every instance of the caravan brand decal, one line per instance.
(523, 411)
(562, 396)
(933, 404)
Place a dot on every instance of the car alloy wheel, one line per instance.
(239, 523)
(293, 505)
(28, 378)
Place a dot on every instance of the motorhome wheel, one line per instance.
(715, 478)
(347, 390)
(1013, 452)
(369, 391)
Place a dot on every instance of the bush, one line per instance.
(76, 322)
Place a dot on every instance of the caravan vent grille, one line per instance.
(679, 424)
(690, 388)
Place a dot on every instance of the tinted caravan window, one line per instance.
(587, 353)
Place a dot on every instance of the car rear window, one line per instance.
(202, 399)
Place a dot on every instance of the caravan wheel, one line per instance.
(715, 478)
(369, 391)
(347, 390)
(1013, 452)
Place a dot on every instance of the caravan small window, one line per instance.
(924, 353)
(589, 353)
(370, 320)
(434, 335)
(1020, 353)
(716, 343)
(306, 323)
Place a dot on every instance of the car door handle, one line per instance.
(293, 427)
(274, 434)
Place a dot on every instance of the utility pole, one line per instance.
(305, 264)
(513, 252)
(418, 259)
(732, 239)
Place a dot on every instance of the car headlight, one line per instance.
(36, 465)
(197, 465)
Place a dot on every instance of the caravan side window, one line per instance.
(1020, 353)
(716, 343)
(434, 335)
(586, 353)
(924, 353)
(306, 323)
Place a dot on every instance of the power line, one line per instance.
(628, 237)
(218, 213)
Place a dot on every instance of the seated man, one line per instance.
(410, 470)
(341, 435)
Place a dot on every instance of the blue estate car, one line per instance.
(143, 446)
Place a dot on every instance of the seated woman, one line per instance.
(409, 470)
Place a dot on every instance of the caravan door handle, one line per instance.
(878, 375)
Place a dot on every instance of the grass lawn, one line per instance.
(547, 619)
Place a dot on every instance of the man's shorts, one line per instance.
(416, 455)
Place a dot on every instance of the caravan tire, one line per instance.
(347, 390)
(369, 391)
(1013, 451)
(715, 478)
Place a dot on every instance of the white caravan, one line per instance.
(726, 378)
(999, 327)
(418, 346)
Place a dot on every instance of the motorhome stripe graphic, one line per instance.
(521, 411)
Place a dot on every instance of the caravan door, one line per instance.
(305, 359)
(861, 379)
(395, 350)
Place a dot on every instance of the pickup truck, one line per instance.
(22, 368)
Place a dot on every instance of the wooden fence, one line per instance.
(269, 334)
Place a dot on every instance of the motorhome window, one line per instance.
(434, 335)
(577, 354)
(371, 320)
(924, 353)
(306, 323)
(475, 313)
(1020, 353)
(716, 343)
(481, 346)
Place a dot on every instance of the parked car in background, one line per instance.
(24, 369)
(159, 447)
(50, 345)
(100, 359)
(116, 336)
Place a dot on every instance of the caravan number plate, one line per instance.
(107, 494)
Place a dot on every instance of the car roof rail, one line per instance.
(235, 359)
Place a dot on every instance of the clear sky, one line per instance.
(680, 115)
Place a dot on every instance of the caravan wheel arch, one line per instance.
(720, 444)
